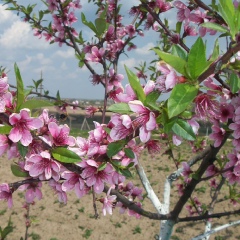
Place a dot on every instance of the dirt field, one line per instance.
(51, 220)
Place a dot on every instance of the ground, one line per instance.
(51, 220)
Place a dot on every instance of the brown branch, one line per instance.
(222, 60)
(207, 216)
(216, 194)
(167, 31)
(207, 8)
(207, 161)
(49, 97)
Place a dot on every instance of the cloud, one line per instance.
(145, 50)
(131, 62)
(69, 53)
(20, 35)
(6, 16)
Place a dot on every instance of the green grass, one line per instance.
(2, 212)
(35, 236)
(87, 233)
(76, 132)
(136, 230)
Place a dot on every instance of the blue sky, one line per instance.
(58, 64)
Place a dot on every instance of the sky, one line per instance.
(58, 65)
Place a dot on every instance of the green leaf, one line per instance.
(234, 83)
(18, 171)
(88, 24)
(178, 51)
(226, 9)
(184, 130)
(58, 96)
(101, 26)
(186, 114)
(181, 97)
(20, 87)
(174, 61)
(135, 84)
(122, 108)
(169, 124)
(6, 231)
(64, 155)
(129, 153)
(115, 147)
(126, 173)
(102, 166)
(5, 129)
(215, 52)
(178, 27)
(33, 104)
(151, 99)
(215, 26)
(197, 62)
(22, 149)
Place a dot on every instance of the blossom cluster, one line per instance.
(43, 133)
(133, 130)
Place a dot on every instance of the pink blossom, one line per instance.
(75, 105)
(6, 194)
(130, 29)
(217, 135)
(117, 178)
(71, 18)
(59, 135)
(108, 202)
(180, 188)
(236, 143)
(189, 30)
(22, 124)
(93, 176)
(42, 166)
(90, 111)
(236, 3)
(122, 126)
(57, 187)
(183, 11)
(162, 5)
(145, 120)
(168, 79)
(52, 5)
(82, 146)
(96, 54)
(234, 165)
(3, 84)
(153, 147)
(186, 171)
(176, 140)
(4, 144)
(134, 214)
(32, 191)
(226, 112)
(13, 151)
(74, 181)
(48, 36)
(46, 120)
(114, 80)
(206, 106)
(213, 183)
(194, 124)
(129, 95)
(211, 170)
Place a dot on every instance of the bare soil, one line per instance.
(51, 220)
